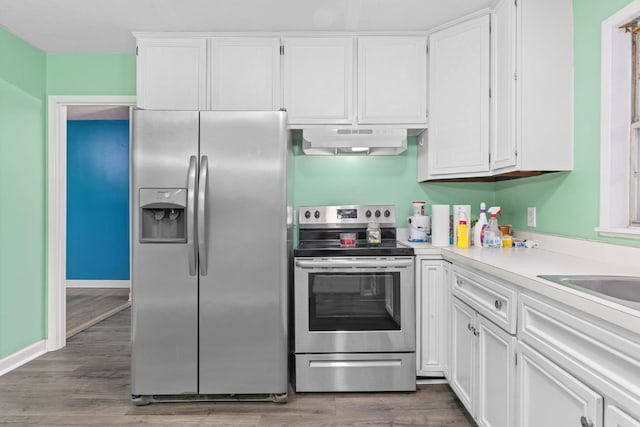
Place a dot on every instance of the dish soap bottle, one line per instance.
(493, 235)
(481, 225)
(373, 233)
(463, 232)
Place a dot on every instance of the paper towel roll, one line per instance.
(457, 209)
(440, 225)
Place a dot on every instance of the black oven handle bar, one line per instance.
(350, 263)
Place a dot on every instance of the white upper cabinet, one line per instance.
(458, 133)
(392, 80)
(320, 76)
(171, 73)
(503, 85)
(530, 123)
(318, 80)
(532, 86)
(244, 73)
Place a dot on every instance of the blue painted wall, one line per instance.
(98, 200)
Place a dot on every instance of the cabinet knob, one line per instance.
(476, 332)
(585, 422)
(459, 282)
(498, 304)
(469, 326)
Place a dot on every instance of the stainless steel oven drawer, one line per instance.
(356, 372)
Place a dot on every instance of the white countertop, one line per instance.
(520, 266)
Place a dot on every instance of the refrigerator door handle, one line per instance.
(191, 215)
(202, 218)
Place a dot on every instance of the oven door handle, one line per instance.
(351, 263)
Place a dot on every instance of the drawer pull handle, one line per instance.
(498, 304)
(585, 422)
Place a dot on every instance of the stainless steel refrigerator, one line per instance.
(210, 242)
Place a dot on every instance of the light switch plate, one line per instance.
(531, 216)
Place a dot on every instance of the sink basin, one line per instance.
(622, 289)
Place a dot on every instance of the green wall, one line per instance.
(569, 203)
(27, 76)
(23, 195)
(91, 74)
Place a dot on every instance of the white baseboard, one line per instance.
(98, 284)
(23, 356)
(590, 249)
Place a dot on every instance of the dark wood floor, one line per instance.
(87, 384)
(88, 306)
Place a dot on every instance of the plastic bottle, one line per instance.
(463, 232)
(493, 235)
(478, 231)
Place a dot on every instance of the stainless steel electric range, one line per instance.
(354, 307)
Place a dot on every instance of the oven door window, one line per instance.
(354, 301)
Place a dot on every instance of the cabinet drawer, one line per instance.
(495, 301)
(607, 359)
(352, 372)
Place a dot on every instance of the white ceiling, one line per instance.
(105, 26)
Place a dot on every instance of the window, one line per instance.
(620, 124)
(633, 28)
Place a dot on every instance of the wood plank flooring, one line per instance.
(87, 384)
(88, 306)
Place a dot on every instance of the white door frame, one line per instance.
(57, 207)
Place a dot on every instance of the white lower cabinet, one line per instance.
(432, 293)
(524, 360)
(496, 375)
(551, 397)
(616, 417)
(462, 375)
(482, 367)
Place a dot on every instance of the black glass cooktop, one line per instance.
(326, 243)
(361, 248)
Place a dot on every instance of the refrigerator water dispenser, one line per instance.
(163, 215)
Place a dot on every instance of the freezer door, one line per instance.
(164, 279)
(243, 347)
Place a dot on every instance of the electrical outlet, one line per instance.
(531, 216)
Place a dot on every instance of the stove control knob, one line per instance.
(307, 214)
(316, 214)
(367, 213)
(377, 213)
(387, 214)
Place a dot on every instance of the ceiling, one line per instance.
(105, 26)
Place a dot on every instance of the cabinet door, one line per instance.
(459, 99)
(550, 396)
(430, 314)
(545, 56)
(503, 86)
(463, 353)
(318, 80)
(496, 375)
(447, 276)
(171, 74)
(245, 73)
(616, 417)
(392, 80)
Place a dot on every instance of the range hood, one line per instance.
(322, 141)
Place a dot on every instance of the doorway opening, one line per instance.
(82, 258)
